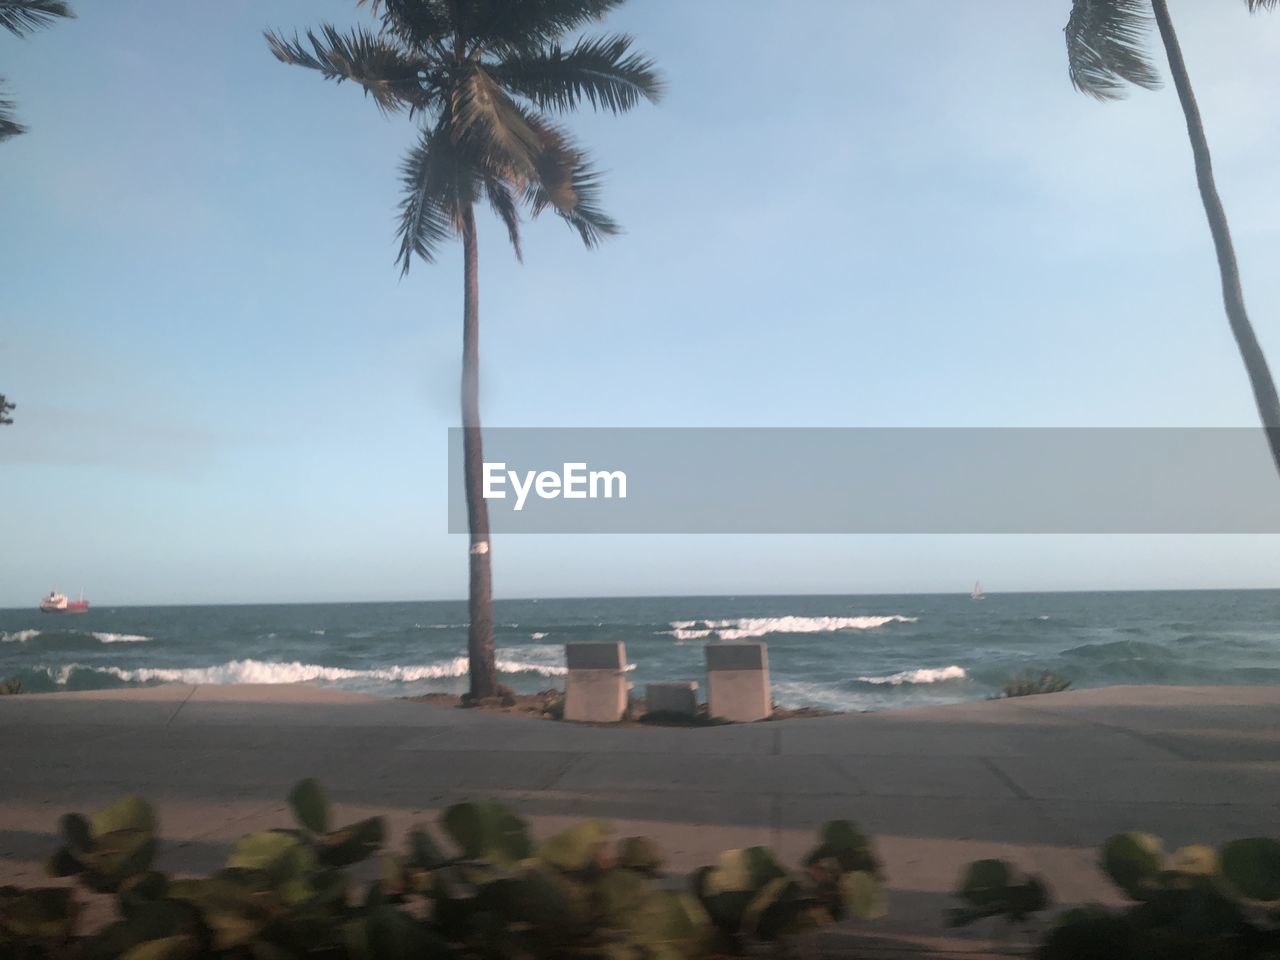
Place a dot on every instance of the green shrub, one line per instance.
(750, 898)
(1194, 904)
(553, 706)
(487, 893)
(993, 888)
(1029, 684)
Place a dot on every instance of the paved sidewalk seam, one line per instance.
(175, 713)
(1142, 738)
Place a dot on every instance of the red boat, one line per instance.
(58, 603)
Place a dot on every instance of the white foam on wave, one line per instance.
(923, 675)
(683, 634)
(22, 636)
(275, 671)
(539, 636)
(760, 626)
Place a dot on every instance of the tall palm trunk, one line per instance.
(484, 679)
(1264, 388)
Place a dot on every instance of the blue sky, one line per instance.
(845, 213)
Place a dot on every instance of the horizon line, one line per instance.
(660, 596)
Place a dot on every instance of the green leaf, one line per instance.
(1252, 868)
(63, 864)
(43, 913)
(862, 895)
(487, 831)
(1133, 861)
(639, 853)
(117, 856)
(388, 933)
(170, 948)
(424, 854)
(576, 848)
(282, 857)
(620, 894)
(352, 843)
(743, 870)
(75, 827)
(310, 807)
(984, 882)
(765, 901)
(1196, 860)
(127, 813)
(842, 841)
(232, 911)
(1027, 898)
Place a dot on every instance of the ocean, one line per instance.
(837, 652)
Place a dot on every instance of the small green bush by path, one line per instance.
(1029, 684)
(1194, 904)
(488, 893)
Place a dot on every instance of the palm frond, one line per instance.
(1256, 5)
(21, 17)
(1106, 47)
(420, 23)
(498, 135)
(571, 186)
(9, 127)
(503, 203)
(528, 24)
(602, 70)
(437, 186)
(388, 74)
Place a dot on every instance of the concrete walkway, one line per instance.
(1039, 780)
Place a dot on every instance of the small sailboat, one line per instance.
(977, 592)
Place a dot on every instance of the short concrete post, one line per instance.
(595, 690)
(738, 681)
(676, 699)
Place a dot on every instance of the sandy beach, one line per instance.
(1040, 780)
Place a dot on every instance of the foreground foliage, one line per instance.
(22, 18)
(488, 893)
(1196, 903)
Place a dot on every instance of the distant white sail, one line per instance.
(977, 592)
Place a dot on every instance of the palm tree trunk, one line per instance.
(1264, 388)
(484, 678)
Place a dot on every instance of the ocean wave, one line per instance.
(538, 636)
(1120, 650)
(760, 626)
(276, 671)
(22, 636)
(923, 675)
(682, 634)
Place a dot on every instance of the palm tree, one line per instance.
(482, 79)
(6, 408)
(21, 17)
(1105, 50)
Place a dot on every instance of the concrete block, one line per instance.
(738, 681)
(596, 689)
(677, 698)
